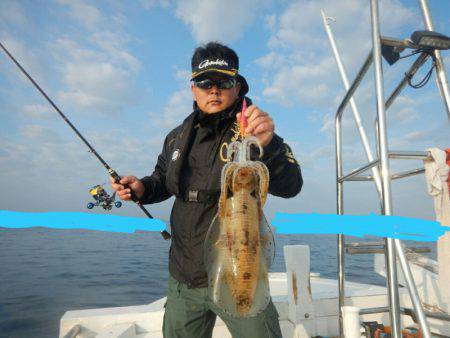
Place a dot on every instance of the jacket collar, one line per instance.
(182, 141)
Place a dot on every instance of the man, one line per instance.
(189, 168)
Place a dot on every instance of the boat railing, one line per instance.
(380, 165)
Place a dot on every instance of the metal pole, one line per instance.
(409, 155)
(356, 82)
(409, 74)
(412, 290)
(341, 281)
(441, 74)
(359, 170)
(356, 115)
(340, 211)
(340, 185)
(407, 173)
(412, 70)
(384, 161)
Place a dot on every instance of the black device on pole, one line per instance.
(111, 171)
(431, 40)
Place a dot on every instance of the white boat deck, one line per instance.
(147, 319)
(307, 310)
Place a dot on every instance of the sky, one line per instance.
(120, 71)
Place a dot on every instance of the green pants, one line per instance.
(191, 314)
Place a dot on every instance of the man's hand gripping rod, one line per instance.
(111, 172)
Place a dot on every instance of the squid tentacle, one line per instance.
(248, 142)
(263, 174)
(227, 173)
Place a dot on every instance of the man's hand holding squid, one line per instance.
(259, 124)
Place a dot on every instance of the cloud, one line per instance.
(403, 110)
(417, 135)
(301, 71)
(92, 69)
(306, 83)
(38, 111)
(98, 70)
(300, 23)
(217, 20)
(271, 60)
(328, 125)
(40, 134)
(149, 4)
(300, 64)
(60, 157)
(43, 149)
(183, 75)
(12, 13)
(270, 21)
(177, 109)
(96, 86)
(86, 15)
(27, 57)
(113, 44)
(62, 45)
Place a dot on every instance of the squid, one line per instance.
(239, 245)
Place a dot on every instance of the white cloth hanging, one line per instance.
(436, 174)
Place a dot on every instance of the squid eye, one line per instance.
(253, 193)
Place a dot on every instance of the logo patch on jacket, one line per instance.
(175, 155)
(289, 155)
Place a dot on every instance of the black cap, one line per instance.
(215, 57)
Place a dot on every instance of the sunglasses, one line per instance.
(221, 84)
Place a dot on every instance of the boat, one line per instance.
(307, 304)
(416, 299)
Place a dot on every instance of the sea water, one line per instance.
(46, 272)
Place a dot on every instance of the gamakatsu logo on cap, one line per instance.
(207, 63)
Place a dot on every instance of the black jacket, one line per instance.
(189, 167)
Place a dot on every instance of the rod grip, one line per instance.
(166, 235)
(134, 198)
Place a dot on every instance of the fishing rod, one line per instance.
(111, 171)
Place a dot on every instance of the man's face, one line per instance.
(215, 99)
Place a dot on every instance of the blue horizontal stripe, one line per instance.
(78, 220)
(404, 228)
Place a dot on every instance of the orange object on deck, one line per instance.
(405, 333)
